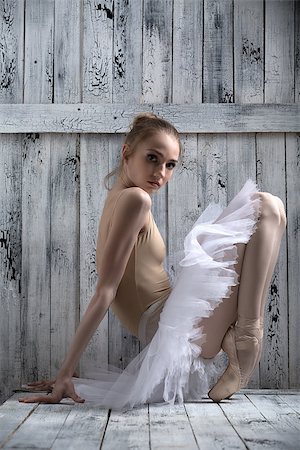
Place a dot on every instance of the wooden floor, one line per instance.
(250, 420)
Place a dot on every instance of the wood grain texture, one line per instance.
(10, 262)
(218, 56)
(93, 163)
(128, 430)
(254, 428)
(12, 51)
(39, 48)
(36, 197)
(253, 420)
(248, 51)
(297, 51)
(115, 118)
(84, 427)
(65, 262)
(128, 51)
(271, 178)
(165, 422)
(36, 262)
(65, 186)
(68, 33)
(97, 50)
(205, 420)
(279, 51)
(293, 263)
(212, 169)
(187, 51)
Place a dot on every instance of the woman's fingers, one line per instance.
(33, 399)
(41, 383)
(60, 390)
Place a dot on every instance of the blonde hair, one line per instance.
(143, 126)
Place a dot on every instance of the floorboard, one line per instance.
(251, 419)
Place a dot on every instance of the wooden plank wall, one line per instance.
(51, 193)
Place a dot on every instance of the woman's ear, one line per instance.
(124, 151)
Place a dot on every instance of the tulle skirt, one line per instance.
(170, 368)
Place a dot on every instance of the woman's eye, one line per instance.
(171, 166)
(151, 156)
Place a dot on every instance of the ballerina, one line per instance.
(215, 305)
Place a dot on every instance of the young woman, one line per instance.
(216, 301)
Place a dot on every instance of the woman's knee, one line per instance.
(272, 208)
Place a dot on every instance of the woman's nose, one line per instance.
(161, 171)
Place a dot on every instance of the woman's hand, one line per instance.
(45, 385)
(62, 388)
(42, 385)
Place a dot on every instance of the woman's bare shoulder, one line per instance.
(134, 197)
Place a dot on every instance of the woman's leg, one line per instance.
(255, 267)
(223, 316)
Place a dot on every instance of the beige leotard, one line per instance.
(145, 280)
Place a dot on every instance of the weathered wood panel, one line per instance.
(165, 423)
(187, 51)
(36, 197)
(93, 162)
(279, 51)
(97, 51)
(255, 429)
(271, 177)
(251, 420)
(128, 51)
(127, 430)
(12, 51)
(65, 262)
(293, 263)
(65, 183)
(115, 118)
(10, 263)
(248, 51)
(297, 51)
(218, 56)
(279, 88)
(36, 263)
(205, 420)
(39, 47)
(67, 59)
(11, 91)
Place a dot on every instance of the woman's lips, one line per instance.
(153, 183)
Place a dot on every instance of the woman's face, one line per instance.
(152, 164)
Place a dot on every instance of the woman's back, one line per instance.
(145, 280)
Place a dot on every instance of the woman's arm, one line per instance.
(129, 218)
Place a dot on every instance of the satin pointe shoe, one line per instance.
(243, 344)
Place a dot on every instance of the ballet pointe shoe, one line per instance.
(242, 343)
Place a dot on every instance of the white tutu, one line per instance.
(170, 368)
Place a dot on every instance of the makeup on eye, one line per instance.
(172, 162)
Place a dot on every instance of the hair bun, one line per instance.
(142, 117)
